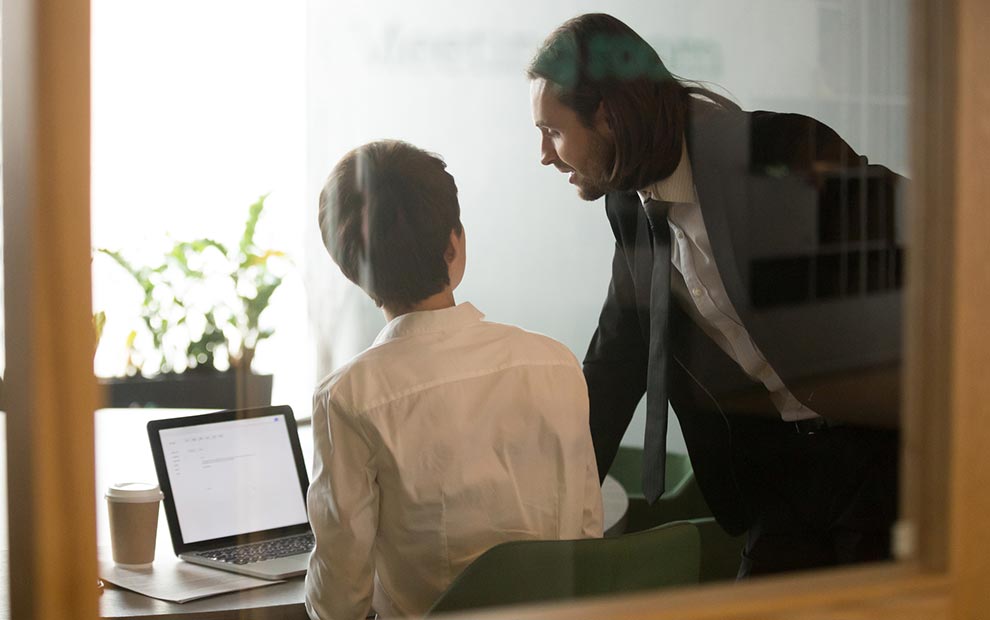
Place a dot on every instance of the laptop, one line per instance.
(235, 490)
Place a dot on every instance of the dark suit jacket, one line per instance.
(805, 235)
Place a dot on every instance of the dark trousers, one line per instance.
(818, 499)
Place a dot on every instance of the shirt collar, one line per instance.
(426, 321)
(678, 187)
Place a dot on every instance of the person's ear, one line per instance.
(456, 257)
(601, 120)
(453, 245)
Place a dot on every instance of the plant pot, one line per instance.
(190, 390)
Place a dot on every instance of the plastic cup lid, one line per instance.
(134, 492)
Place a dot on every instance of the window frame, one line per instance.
(51, 392)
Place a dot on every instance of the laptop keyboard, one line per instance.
(261, 551)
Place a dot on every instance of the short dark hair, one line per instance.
(386, 214)
(597, 59)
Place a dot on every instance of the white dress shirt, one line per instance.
(448, 436)
(695, 280)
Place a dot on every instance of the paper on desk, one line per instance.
(178, 581)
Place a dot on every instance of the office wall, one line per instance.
(449, 77)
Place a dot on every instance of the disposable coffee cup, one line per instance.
(133, 509)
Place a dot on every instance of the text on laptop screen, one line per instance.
(231, 478)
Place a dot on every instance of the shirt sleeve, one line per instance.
(343, 502)
(593, 519)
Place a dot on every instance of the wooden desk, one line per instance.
(122, 454)
(283, 601)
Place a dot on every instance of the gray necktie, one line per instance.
(655, 441)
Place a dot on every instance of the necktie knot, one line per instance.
(656, 214)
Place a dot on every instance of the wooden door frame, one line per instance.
(51, 394)
(50, 391)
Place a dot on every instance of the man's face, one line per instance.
(585, 154)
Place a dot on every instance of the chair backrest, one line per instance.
(681, 500)
(720, 553)
(627, 468)
(535, 571)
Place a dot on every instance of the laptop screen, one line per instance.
(233, 477)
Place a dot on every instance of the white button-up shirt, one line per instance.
(448, 436)
(695, 280)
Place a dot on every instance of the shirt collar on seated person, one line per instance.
(457, 317)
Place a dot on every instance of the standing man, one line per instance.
(755, 287)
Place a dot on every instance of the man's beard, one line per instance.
(601, 157)
(589, 189)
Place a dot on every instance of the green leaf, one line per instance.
(265, 333)
(247, 237)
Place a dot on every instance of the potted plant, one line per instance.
(200, 323)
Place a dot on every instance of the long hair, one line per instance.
(596, 59)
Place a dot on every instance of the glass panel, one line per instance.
(198, 158)
(785, 319)
(783, 336)
(217, 123)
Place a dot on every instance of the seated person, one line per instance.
(450, 434)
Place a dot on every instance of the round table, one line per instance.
(615, 505)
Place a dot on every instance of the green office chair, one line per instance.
(682, 499)
(720, 553)
(548, 570)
